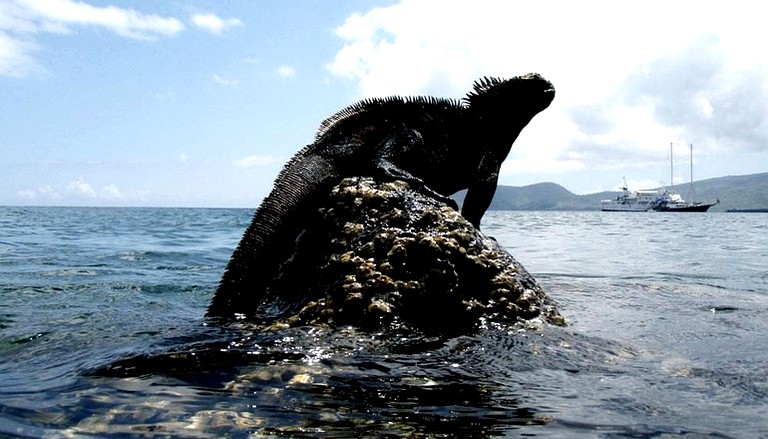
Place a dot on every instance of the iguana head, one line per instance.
(519, 98)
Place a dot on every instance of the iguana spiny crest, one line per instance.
(486, 92)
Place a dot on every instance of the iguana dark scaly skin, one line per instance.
(439, 145)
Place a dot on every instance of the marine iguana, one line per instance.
(439, 146)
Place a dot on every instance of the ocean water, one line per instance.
(102, 335)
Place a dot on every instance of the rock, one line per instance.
(381, 254)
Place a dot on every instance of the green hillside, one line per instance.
(734, 192)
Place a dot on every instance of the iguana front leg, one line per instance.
(477, 201)
(480, 194)
(398, 144)
(390, 171)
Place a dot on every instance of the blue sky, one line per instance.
(199, 103)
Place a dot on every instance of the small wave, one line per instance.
(30, 338)
(720, 309)
(71, 272)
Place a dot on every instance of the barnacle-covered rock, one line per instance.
(381, 254)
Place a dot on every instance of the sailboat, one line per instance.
(669, 201)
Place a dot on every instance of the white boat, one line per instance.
(637, 201)
(672, 202)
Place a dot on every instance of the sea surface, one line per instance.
(102, 335)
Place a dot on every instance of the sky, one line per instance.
(200, 103)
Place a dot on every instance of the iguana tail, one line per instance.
(274, 228)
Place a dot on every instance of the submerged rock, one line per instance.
(381, 254)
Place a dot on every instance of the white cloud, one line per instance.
(58, 14)
(630, 77)
(22, 20)
(111, 192)
(183, 157)
(258, 160)
(214, 24)
(227, 82)
(14, 57)
(286, 72)
(78, 192)
(81, 188)
(27, 194)
(34, 194)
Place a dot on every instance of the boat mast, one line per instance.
(693, 196)
(671, 170)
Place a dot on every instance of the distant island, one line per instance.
(748, 210)
(736, 193)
